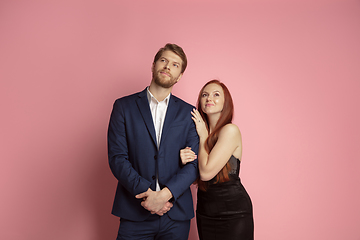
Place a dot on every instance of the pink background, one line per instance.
(293, 68)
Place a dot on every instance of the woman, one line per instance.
(224, 209)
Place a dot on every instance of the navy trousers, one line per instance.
(154, 228)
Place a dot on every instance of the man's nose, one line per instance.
(166, 66)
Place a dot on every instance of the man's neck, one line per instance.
(158, 92)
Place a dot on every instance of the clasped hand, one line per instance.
(187, 155)
(156, 202)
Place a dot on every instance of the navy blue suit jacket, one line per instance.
(135, 159)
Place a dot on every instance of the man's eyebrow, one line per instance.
(170, 60)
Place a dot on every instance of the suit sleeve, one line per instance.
(119, 162)
(187, 175)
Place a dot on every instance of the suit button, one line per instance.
(153, 177)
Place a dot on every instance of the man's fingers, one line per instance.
(139, 196)
(142, 195)
(165, 209)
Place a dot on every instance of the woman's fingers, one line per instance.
(196, 116)
(187, 155)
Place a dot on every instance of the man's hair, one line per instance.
(175, 49)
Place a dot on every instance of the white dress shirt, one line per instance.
(158, 112)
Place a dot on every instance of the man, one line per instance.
(146, 132)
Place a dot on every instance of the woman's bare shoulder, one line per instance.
(231, 134)
(230, 129)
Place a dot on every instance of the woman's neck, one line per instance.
(213, 119)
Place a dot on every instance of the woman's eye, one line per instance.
(216, 94)
(203, 95)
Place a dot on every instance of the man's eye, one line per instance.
(175, 65)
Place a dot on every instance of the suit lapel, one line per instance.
(143, 105)
(171, 111)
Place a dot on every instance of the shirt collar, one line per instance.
(152, 98)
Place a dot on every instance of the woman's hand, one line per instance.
(200, 124)
(187, 155)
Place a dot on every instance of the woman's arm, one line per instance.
(229, 141)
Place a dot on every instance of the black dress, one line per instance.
(224, 210)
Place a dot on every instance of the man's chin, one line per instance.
(164, 83)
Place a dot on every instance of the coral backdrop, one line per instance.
(293, 70)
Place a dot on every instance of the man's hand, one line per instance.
(156, 202)
(165, 209)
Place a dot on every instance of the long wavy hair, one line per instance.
(226, 117)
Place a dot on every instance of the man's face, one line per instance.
(167, 69)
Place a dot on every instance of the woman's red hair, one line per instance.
(225, 118)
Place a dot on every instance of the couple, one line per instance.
(158, 145)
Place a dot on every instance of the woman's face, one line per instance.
(212, 99)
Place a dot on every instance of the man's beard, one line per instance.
(162, 82)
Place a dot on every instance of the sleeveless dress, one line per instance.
(224, 210)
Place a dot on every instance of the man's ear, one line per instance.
(152, 67)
